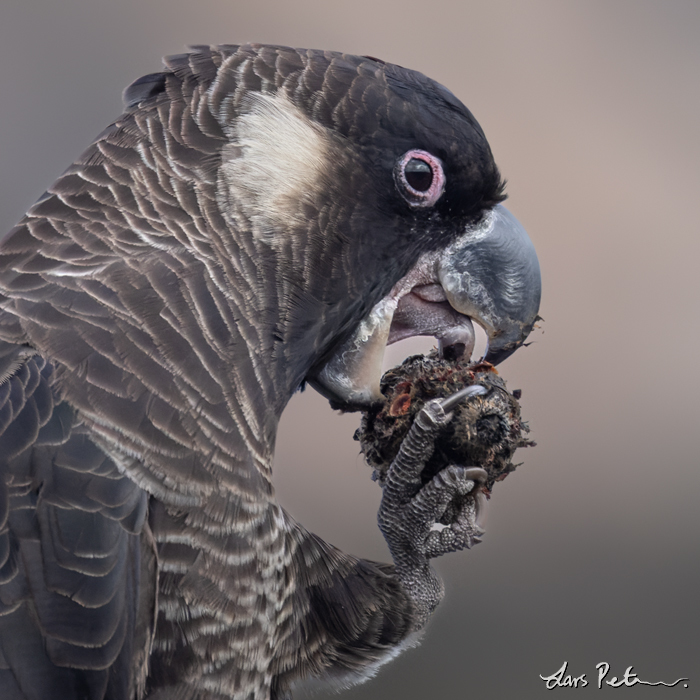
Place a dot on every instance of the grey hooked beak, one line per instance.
(489, 275)
(492, 275)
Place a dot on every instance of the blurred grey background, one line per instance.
(591, 108)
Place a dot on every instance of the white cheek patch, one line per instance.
(276, 158)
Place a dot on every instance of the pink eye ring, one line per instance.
(419, 178)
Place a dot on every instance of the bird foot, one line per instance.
(411, 516)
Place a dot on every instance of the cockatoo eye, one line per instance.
(420, 178)
(419, 174)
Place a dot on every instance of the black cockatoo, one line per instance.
(259, 217)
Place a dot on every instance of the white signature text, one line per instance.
(562, 679)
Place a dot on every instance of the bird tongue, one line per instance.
(351, 377)
(425, 311)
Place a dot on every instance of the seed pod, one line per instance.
(484, 432)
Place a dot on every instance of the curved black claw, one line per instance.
(462, 395)
(410, 512)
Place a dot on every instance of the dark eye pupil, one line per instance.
(419, 174)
